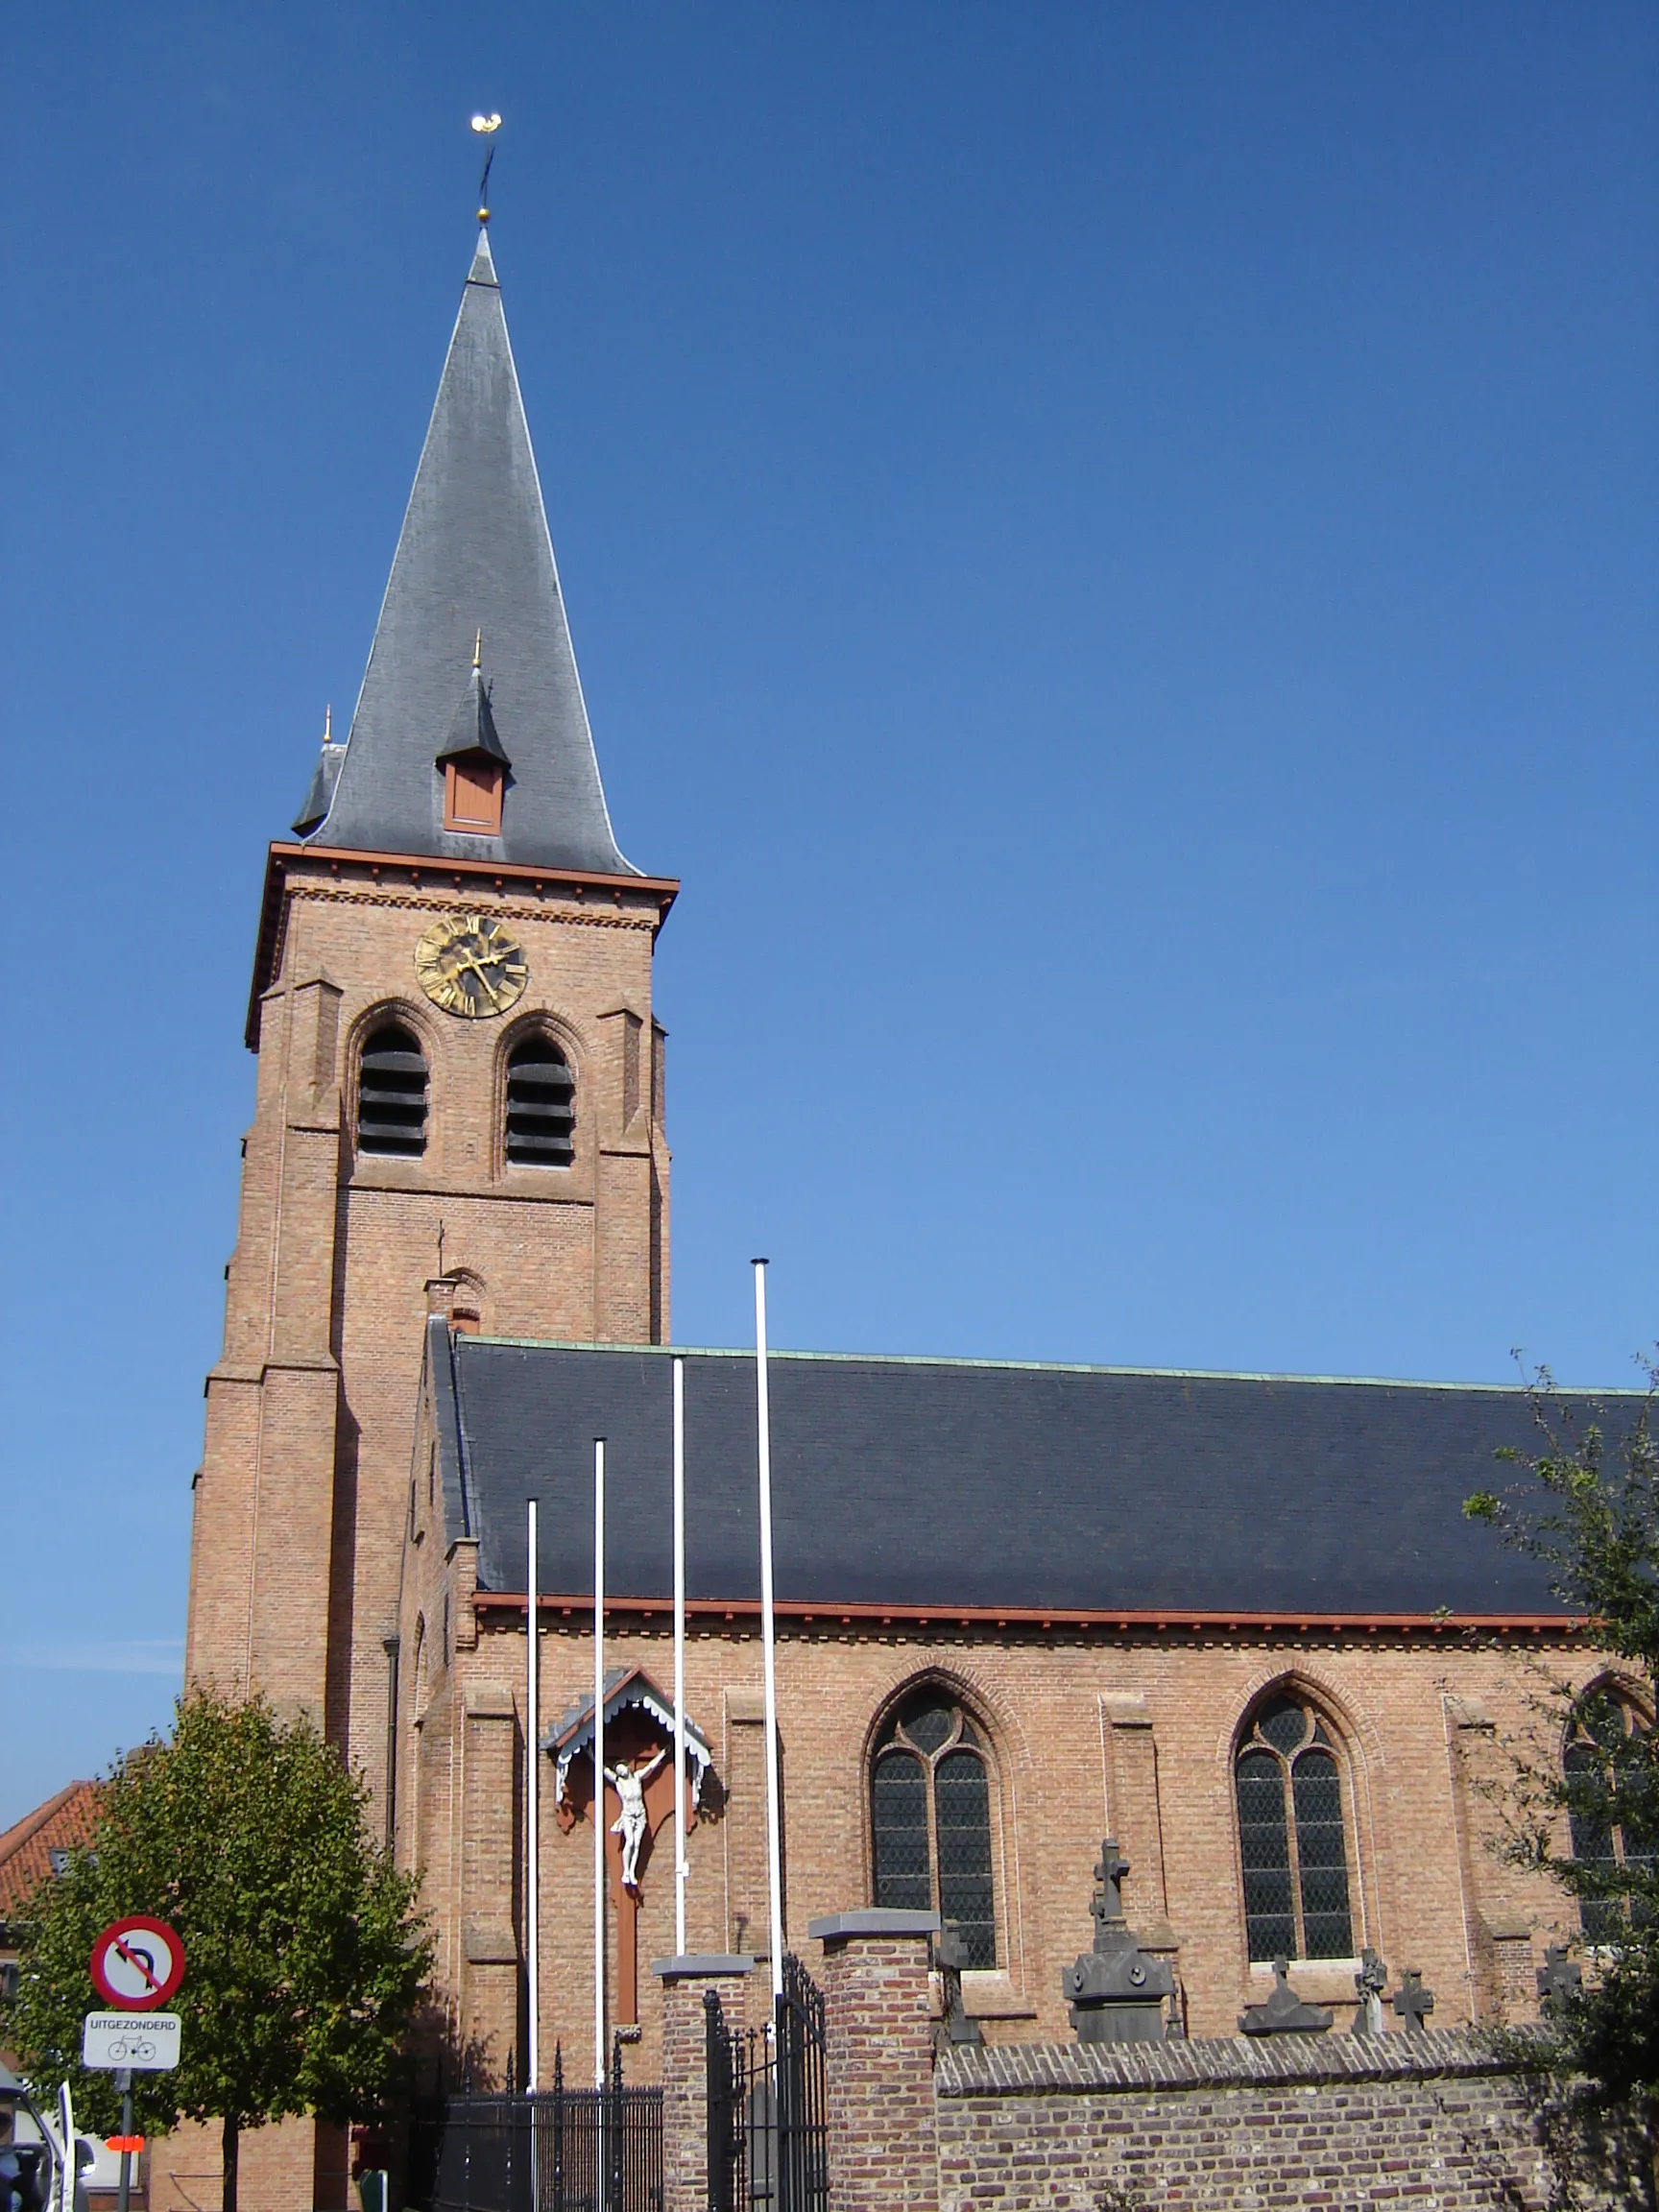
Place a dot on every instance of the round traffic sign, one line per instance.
(137, 1963)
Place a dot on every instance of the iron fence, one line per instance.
(768, 2133)
(555, 2150)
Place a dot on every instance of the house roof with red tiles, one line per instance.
(25, 1848)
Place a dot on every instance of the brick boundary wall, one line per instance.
(685, 2072)
(1416, 2123)
(879, 2052)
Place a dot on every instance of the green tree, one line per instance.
(305, 1954)
(1588, 1509)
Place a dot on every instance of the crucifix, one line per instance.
(629, 1784)
(637, 1801)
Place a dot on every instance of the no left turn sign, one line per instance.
(137, 1963)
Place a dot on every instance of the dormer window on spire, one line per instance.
(474, 761)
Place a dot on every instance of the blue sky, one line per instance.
(1112, 548)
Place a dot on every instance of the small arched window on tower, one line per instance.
(931, 1820)
(392, 1094)
(541, 1105)
(1292, 1833)
(1607, 1754)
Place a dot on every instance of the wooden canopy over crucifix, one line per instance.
(639, 1756)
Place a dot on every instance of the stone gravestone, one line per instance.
(1559, 1979)
(1282, 2012)
(1370, 1981)
(1413, 2002)
(1118, 1993)
(955, 2029)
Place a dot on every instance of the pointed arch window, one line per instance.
(931, 1820)
(1293, 1833)
(392, 1094)
(541, 1105)
(1609, 1753)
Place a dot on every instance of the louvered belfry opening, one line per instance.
(392, 1094)
(541, 1105)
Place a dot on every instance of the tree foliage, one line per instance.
(1588, 1509)
(306, 1952)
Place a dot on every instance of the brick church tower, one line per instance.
(459, 1101)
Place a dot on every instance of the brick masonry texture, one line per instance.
(1432, 2121)
(879, 2052)
(1088, 1736)
(686, 2083)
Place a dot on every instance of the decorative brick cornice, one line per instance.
(823, 1617)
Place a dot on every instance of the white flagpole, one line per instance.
(532, 1801)
(681, 1869)
(599, 1768)
(768, 1641)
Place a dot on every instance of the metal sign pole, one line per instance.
(124, 2082)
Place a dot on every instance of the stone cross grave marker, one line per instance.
(1107, 1903)
(1413, 2002)
(1558, 1979)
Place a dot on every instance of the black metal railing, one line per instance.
(768, 2130)
(555, 2150)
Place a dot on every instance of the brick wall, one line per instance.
(686, 1983)
(878, 2053)
(1296, 2121)
(1429, 2119)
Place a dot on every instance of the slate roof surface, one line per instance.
(939, 1483)
(25, 1848)
(473, 555)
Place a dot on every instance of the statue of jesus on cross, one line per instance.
(629, 1784)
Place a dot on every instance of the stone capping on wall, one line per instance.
(1070, 2069)
(872, 1920)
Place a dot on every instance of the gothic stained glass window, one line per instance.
(1292, 1834)
(931, 1820)
(1607, 1734)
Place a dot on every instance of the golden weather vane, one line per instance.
(486, 126)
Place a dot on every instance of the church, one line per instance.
(1235, 1622)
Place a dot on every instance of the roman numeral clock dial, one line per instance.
(469, 965)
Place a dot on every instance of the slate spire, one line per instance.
(474, 554)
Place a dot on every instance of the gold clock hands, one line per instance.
(471, 961)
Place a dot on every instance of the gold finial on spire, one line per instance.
(478, 650)
(327, 725)
(486, 126)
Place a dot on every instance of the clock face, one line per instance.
(469, 965)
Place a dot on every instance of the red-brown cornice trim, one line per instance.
(442, 864)
(1173, 1618)
(422, 868)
